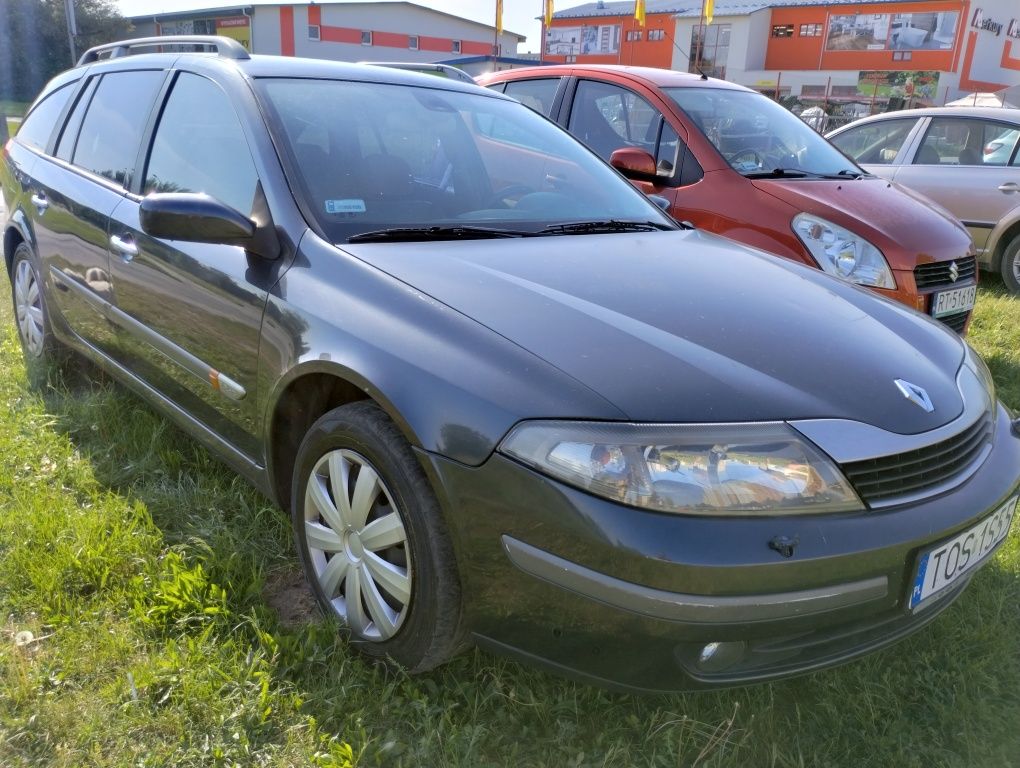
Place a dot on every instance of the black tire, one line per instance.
(34, 329)
(426, 629)
(1010, 267)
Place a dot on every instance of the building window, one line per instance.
(633, 34)
(455, 47)
(366, 37)
(571, 59)
(656, 34)
(811, 30)
(412, 42)
(782, 30)
(710, 48)
(313, 32)
(902, 55)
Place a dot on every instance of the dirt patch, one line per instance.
(287, 593)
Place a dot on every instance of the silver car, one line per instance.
(965, 158)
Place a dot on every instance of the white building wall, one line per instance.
(265, 29)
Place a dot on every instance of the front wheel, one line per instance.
(372, 541)
(1011, 265)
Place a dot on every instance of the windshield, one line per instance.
(758, 136)
(374, 157)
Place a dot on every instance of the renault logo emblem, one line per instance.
(915, 394)
(954, 272)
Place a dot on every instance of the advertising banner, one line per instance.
(919, 86)
(602, 39)
(894, 32)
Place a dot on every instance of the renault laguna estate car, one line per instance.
(734, 162)
(503, 396)
(964, 158)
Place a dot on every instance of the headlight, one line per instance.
(973, 361)
(716, 469)
(840, 252)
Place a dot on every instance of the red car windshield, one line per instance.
(759, 137)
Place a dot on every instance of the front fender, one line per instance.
(453, 386)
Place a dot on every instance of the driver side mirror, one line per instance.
(634, 163)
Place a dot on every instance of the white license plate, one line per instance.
(956, 300)
(942, 566)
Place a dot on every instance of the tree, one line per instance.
(34, 45)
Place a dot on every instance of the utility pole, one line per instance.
(72, 29)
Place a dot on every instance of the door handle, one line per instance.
(125, 246)
(40, 202)
(1009, 186)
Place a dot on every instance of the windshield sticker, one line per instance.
(345, 206)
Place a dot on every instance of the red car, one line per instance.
(732, 161)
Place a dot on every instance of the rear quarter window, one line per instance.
(38, 127)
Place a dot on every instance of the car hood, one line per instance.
(689, 327)
(906, 226)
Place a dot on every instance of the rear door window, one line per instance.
(110, 133)
(38, 127)
(875, 143)
(966, 141)
(539, 94)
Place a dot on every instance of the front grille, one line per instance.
(888, 478)
(957, 321)
(939, 273)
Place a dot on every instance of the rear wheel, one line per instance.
(372, 541)
(1011, 265)
(34, 331)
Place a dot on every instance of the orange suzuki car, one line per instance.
(732, 161)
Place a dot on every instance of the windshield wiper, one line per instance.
(418, 234)
(800, 173)
(601, 227)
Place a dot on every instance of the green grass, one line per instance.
(168, 628)
(14, 108)
(12, 127)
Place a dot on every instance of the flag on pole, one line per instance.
(639, 11)
(709, 10)
(499, 17)
(548, 12)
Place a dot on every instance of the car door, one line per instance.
(75, 189)
(190, 313)
(878, 146)
(608, 116)
(952, 167)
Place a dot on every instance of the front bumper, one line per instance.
(630, 598)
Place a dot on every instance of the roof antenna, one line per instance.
(688, 57)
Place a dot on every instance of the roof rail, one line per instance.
(224, 46)
(444, 70)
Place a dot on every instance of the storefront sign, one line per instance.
(980, 21)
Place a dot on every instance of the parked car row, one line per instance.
(734, 162)
(504, 397)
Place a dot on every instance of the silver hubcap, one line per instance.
(1016, 266)
(28, 308)
(358, 545)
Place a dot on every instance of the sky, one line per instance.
(519, 16)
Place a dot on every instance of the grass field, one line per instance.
(151, 614)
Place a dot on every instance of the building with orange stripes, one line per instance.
(914, 51)
(349, 31)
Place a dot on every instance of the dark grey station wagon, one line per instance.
(504, 397)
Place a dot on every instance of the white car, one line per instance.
(967, 159)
